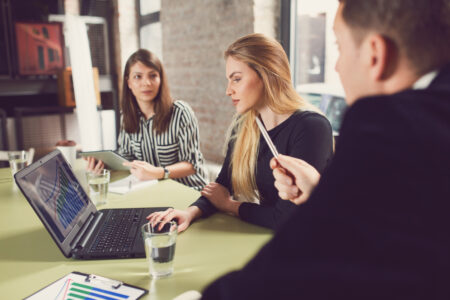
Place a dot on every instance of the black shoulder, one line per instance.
(311, 119)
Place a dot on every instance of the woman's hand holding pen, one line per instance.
(295, 179)
(220, 197)
(144, 171)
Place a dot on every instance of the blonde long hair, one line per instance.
(268, 59)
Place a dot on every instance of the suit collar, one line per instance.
(442, 79)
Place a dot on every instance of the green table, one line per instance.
(29, 259)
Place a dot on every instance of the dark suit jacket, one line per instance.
(378, 224)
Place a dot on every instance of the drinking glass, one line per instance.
(160, 247)
(98, 186)
(17, 160)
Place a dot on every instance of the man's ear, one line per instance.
(378, 57)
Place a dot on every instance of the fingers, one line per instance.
(183, 226)
(161, 217)
(127, 163)
(209, 189)
(156, 217)
(136, 164)
(90, 163)
(94, 166)
(152, 216)
(286, 192)
(288, 161)
(274, 163)
(99, 167)
(295, 166)
(301, 199)
(131, 164)
(140, 163)
(281, 176)
(166, 218)
(206, 193)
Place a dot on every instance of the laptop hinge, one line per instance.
(86, 231)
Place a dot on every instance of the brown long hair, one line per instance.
(163, 103)
(268, 59)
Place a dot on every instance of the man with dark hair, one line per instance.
(377, 225)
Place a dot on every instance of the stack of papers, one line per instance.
(128, 184)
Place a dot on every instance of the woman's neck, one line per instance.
(271, 119)
(146, 109)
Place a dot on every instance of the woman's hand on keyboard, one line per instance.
(183, 217)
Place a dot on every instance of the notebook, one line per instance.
(77, 227)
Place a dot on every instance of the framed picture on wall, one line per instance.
(39, 48)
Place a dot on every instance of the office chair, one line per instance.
(3, 136)
(3, 131)
(33, 131)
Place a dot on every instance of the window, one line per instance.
(51, 57)
(313, 54)
(313, 48)
(45, 32)
(150, 31)
(41, 57)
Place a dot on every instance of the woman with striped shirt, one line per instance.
(159, 136)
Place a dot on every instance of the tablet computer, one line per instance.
(110, 158)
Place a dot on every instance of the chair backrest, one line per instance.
(46, 134)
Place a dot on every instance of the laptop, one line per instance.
(77, 227)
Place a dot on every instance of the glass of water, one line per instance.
(17, 160)
(98, 186)
(160, 247)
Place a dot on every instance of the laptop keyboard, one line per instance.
(118, 232)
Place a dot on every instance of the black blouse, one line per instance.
(306, 135)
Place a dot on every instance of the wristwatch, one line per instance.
(166, 173)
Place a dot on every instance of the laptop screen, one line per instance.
(54, 191)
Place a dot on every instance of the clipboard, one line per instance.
(77, 285)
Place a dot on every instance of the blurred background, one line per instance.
(38, 104)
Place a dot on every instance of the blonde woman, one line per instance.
(259, 85)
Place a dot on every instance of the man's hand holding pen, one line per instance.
(295, 179)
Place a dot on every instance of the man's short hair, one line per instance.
(420, 29)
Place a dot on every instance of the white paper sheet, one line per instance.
(128, 184)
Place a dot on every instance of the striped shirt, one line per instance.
(180, 142)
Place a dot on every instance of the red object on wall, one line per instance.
(39, 47)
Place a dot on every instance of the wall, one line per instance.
(267, 17)
(126, 36)
(195, 35)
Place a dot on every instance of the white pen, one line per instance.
(266, 137)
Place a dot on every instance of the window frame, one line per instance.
(147, 19)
